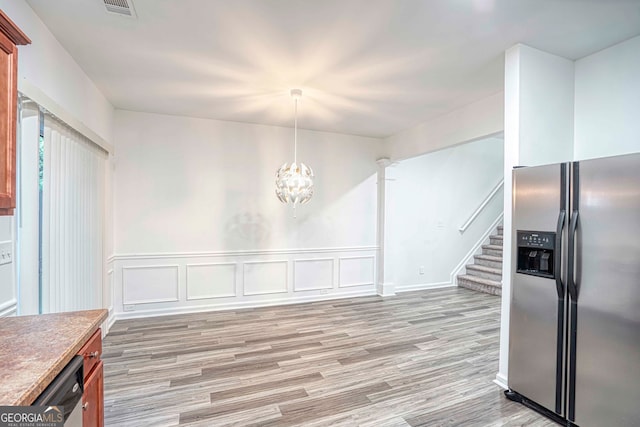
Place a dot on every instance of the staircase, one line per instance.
(485, 274)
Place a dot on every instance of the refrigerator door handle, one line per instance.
(571, 282)
(558, 255)
(557, 270)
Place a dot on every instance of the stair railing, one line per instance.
(484, 203)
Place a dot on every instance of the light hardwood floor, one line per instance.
(423, 358)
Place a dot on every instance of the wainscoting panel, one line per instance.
(148, 284)
(265, 277)
(167, 283)
(216, 280)
(312, 274)
(356, 271)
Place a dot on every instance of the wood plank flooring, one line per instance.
(423, 358)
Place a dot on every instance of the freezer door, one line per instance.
(607, 356)
(536, 368)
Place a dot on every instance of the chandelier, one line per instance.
(294, 182)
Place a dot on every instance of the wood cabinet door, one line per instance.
(8, 113)
(10, 37)
(92, 399)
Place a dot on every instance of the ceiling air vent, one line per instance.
(120, 7)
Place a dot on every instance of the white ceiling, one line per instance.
(366, 67)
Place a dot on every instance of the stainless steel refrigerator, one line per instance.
(574, 335)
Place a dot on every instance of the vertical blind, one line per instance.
(72, 220)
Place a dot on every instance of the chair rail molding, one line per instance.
(481, 207)
(246, 252)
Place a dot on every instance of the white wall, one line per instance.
(27, 224)
(607, 102)
(193, 191)
(474, 121)
(546, 107)
(434, 195)
(46, 66)
(538, 129)
(8, 291)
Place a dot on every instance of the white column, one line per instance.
(511, 156)
(385, 277)
(28, 223)
(538, 129)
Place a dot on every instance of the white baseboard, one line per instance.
(501, 381)
(423, 286)
(239, 305)
(9, 308)
(111, 319)
(475, 250)
(386, 289)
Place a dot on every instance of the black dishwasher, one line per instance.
(66, 390)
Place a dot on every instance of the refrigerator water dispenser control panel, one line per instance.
(536, 253)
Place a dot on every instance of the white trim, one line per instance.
(212, 264)
(501, 381)
(484, 203)
(42, 99)
(111, 282)
(9, 307)
(152, 301)
(387, 289)
(107, 324)
(245, 294)
(424, 286)
(240, 304)
(122, 257)
(476, 249)
(8, 304)
(313, 259)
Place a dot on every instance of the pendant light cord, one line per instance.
(295, 133)
(295, 144)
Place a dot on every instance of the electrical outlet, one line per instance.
(421, 269)
(6, 252)
(129, 307)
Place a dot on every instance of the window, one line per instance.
(60, 215)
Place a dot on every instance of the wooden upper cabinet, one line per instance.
(10, 38)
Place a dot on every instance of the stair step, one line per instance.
(496, 240)
(493, 250)
(488, 260)
(500, 230)
(479, 284)
(485, 272)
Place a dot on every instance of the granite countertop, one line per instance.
(34, 349)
